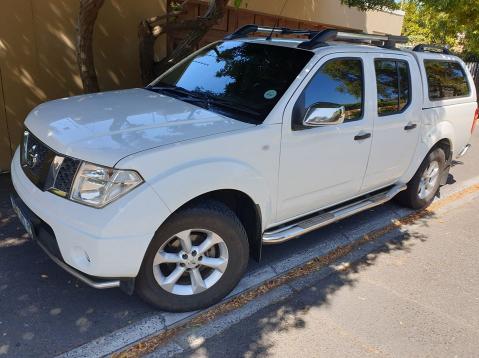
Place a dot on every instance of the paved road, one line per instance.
(44, 311)
(417, 297)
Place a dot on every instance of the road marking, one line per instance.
(153, 331)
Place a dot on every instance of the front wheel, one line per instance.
(424, 186)
(195, 259)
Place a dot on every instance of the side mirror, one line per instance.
(321, 114)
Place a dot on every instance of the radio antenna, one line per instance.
(277, 21)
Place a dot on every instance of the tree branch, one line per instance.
(196, 29)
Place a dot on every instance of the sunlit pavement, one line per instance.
(44, 311)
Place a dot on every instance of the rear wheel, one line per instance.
(195, 259)
(424, 186)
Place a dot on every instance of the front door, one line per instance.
(324, 165)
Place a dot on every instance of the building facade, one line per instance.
(37, 45)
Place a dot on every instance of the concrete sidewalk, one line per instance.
(418, 295)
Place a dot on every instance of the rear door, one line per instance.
(397, 118)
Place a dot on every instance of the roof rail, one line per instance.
(432, 48)
(319, 38)
(248, 29)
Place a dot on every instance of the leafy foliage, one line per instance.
(237, 3)
(365, 5)
(422, 24)
(455, 23)
(451, 22)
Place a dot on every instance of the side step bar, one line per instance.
(326, 217)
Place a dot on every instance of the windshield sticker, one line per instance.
(270, 94)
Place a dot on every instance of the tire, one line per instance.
(205, 221)
(417, 196)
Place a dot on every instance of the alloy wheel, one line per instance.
(428, 180)
(190, 262)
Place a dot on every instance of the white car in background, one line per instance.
(167, 190)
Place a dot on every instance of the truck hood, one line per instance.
(105, 127)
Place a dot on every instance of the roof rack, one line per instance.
(319, 38)
(432, 48)
(248, 29)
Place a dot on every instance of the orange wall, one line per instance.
(37, 55)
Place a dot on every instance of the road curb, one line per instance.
(185, 341)
(193, 338)
(156, 325)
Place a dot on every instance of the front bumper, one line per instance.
(109, 242)
(43, 234)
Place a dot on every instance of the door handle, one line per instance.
(362, 136)
(410, 126)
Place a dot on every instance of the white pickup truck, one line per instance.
(167, 190)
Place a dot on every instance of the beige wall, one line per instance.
(37, 55)
(37, 48)
(331, 12)
(384, 22)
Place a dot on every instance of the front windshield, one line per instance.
(242, 80)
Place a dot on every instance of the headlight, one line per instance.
(98, 186)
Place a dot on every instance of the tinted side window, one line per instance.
(445, 79)
(404, 84)
(338, 82)
(392, 81)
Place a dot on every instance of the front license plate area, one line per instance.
(23, 219)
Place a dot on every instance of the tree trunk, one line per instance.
(149, 30)
(86, 23)
(215, 12)
(147, 53)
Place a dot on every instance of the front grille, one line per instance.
(66, 174)
(40, 165)
(41, 157)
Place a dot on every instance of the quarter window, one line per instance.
(338, 82)
(445, 79)
(393, 86)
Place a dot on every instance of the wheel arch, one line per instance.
(446, 145)
(423, 150)
(248, 212)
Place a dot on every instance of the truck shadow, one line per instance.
(258, 337)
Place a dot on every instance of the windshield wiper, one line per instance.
(236, 107)
(206, 100)
(175, 90)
